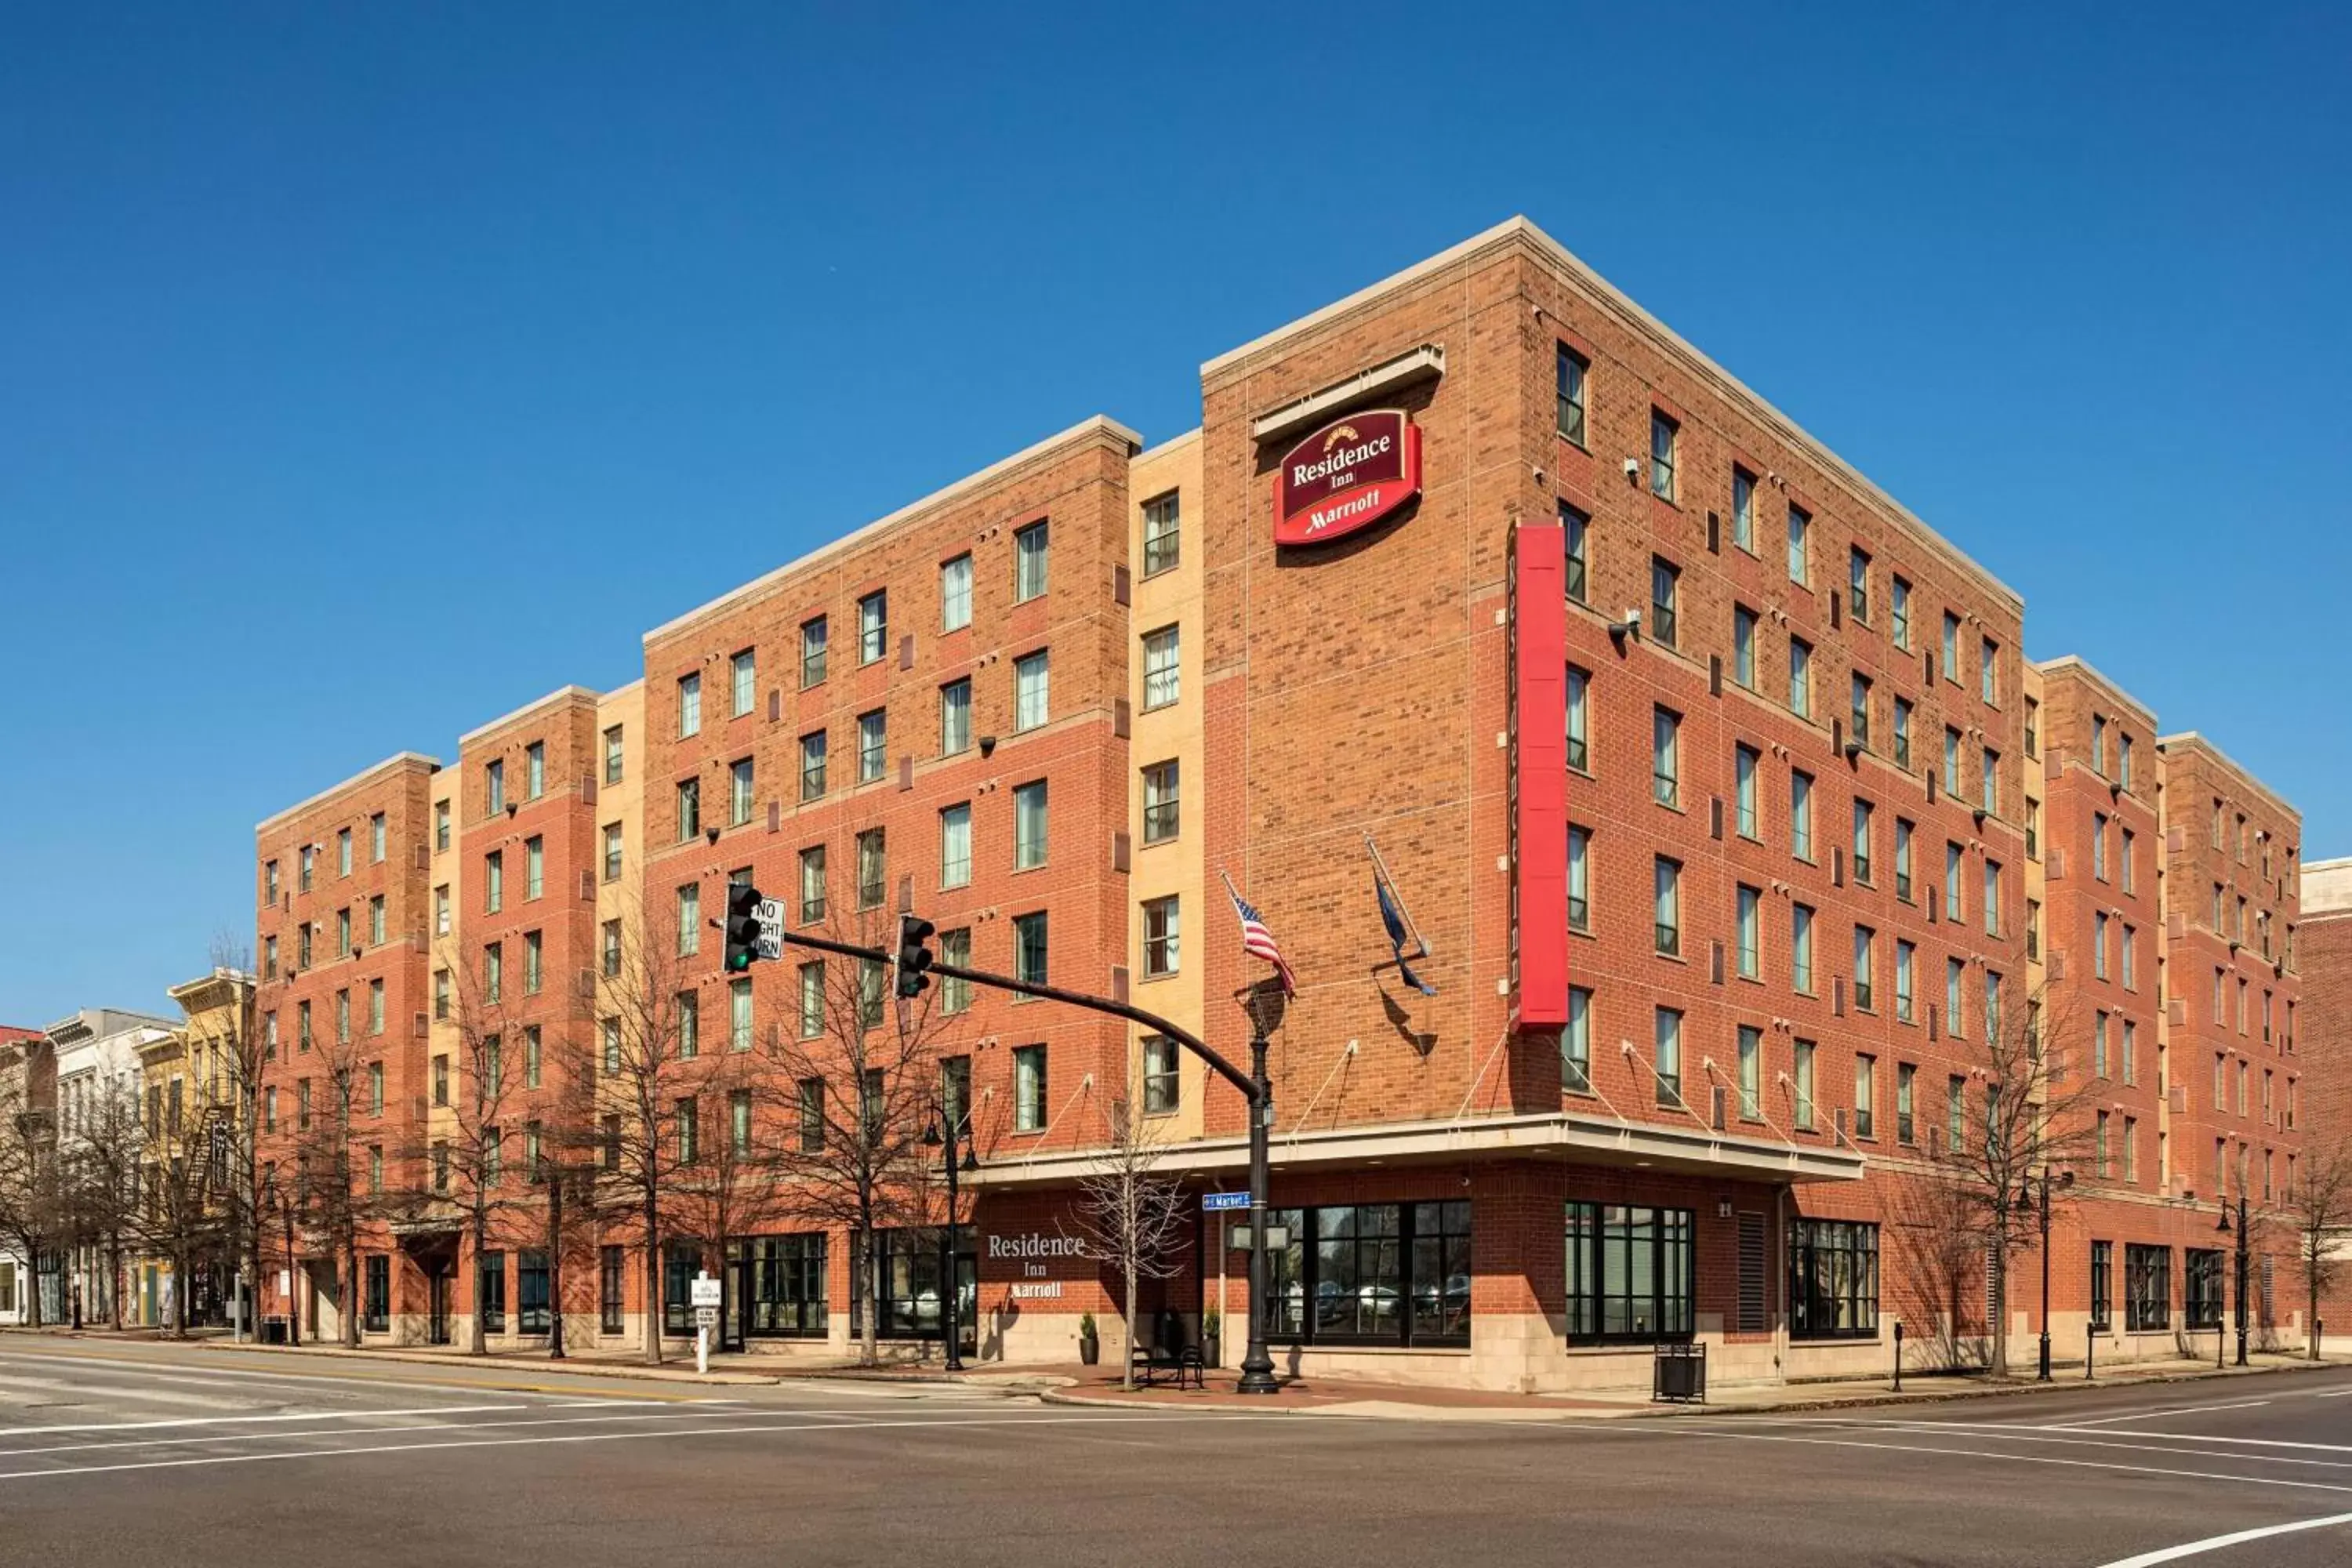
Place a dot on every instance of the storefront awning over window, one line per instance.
(1573, 1137)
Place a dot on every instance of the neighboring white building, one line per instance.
(97, 1052)
(23, 1091)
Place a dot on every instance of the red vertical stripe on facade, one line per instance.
(1540, 709)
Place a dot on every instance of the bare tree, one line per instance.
(178, 1217)
(2028, 1108)
(103, 1159)
(331, 1195)
(33, 1217)
(729, 1179)
(1131, 1215)
(863, 1070)
(2319, 1207)
(472, 1170)
(236, 1037)
(648, 1043)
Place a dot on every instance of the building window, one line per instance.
(1950, 666)
(955, 594)
(1858, 714)
(690, 808)
(310, 860)
(1955, 1017)
(1906, 1077)
(812, 999)
(1898, 613)
(1029, 826)
(1861, 815)
(1865, 952)
(689, 706)
(1988, 670)
(872, 867)
(1161, 952)
(494, 883)
(1393, 1274)
(813, 884)
(1833, 1279)
(1162, 532)
(1030, 547)
(1992, 897)
(1800, 948)
(1580, 872)
(1803, 1086)
(611, 1301)
(955, 845)
(1750, 957)
(1988, 780)
(343, 852)
(1666, 765)
(1031, 705)
(689, 919)
(873, 627)
(1801, 815)
(1573, 528)
(1743, 509)
(1858, 582)
(2203, 1293)
(2147, 1287)
(534, 769)
(1664, 579)
(1029, 939)
(2124, 855)
(1159, 798)
(1865, 1096)
(785, 1294)
(1669, 906)
(1743, 646)
(1029, 1089)
(1631, 1273)
(375, 1006)
(614, 756)
(490, 1292)
(738, 1014)
(494, 971)
(376, 1317)
(1799, 525)
(812, 765)
(1668, 1061)
(1162, 668)
(955, 717)
(1752, 1073)
(1903, 733)
(873, 744)
(1576, 1043)
(1801, 678)
(690, 1026)
(1953, 862)
(1162, 1086)
(741, 795)
(1661, 455)
(1744, 762)
(955, 992)
(1570, 371)
(814, 643)
(1578, 686)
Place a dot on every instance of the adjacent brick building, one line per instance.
(1730, 821)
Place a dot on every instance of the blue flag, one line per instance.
(1401, 932)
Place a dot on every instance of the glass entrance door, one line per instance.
(437, 1299)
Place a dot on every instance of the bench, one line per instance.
(1152, 1364)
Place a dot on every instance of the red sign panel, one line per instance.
(1348, 475)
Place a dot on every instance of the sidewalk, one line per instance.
(1332, 1396)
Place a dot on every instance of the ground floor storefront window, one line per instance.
(377, 1317)
(2147, 1287)
(781, 1280)
(609, 1265)
(532, 1314)
(1833, 1279)
(2203, 1281)
(906, 1286)
(681, 1261)
(2102, 1281)
(1373, 1274)
(490, 1292)
(1631, 1272)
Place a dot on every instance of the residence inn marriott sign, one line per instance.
(1346, 476)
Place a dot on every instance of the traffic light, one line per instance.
(743, 902)
(914, 959)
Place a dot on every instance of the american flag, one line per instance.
(1258, 941)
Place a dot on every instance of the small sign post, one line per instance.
(705, 1294)
(769, 913)
(1213, 1202)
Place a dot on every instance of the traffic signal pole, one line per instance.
(1257, 1364)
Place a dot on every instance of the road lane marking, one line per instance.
(2093, 1439)
(247, 1420)
(2024, 1427)
(2216, 1542)
(1099, 1416)
(179, 1442)
(2170, 1410)
(1711, 1430)
(389, 1379)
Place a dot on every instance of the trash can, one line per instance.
(1678, 1373)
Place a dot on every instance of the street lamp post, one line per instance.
(2064, 1179)
(556, 1171)
(950, 1286)
(2242, 1259)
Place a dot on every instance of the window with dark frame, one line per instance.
(2102, 1283)
(1160, 802)
(1631, 1273)
(1574, 525)
(1373, 1274)
(490, 1292)
(531, 1311)
(2147, 1287)
(611, 1304)
(2201, 1295)
(782, 1280)
(1569, 372)
(1833, 1279)
(377, 1315)
(1162, 532)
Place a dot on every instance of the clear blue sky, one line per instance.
(368, 370)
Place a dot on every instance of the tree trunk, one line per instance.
(114, 1274)
(352, 1289)
(477, 1337)
(1999, 1266)
(870, 1347)
(653, 1283)
(1127, 1379)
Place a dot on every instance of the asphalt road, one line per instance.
(114, 1453)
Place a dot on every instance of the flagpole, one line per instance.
(1257, 1364)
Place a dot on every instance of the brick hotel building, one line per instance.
(1718, 785)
